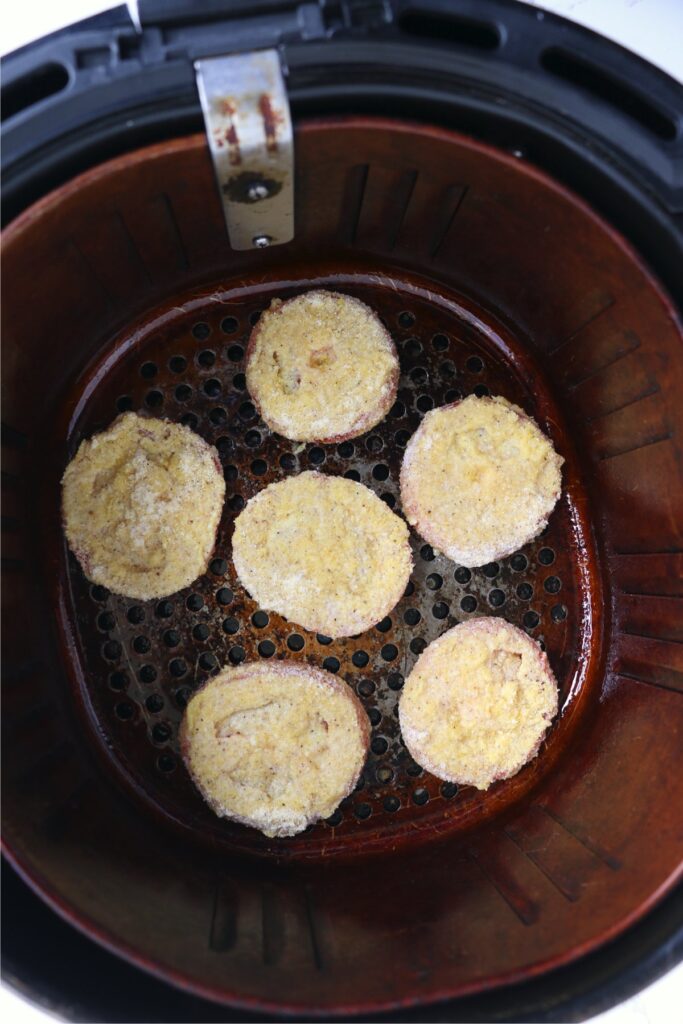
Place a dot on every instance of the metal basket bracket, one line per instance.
(249, 130)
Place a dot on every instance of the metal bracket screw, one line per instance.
(257, 191)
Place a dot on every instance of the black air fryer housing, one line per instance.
(595, 117)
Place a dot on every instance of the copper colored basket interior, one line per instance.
(121, 292)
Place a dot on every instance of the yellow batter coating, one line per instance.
(479, 479)
(321, 367)
(141, 503)
(478, 703)
(323, 551)
(275, 746)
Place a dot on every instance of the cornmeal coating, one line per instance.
(323, 551)
(479, 479)
(275, 746)
(478, 703)
(321, 367)
(141, 504)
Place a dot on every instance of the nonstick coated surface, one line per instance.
(542, 868)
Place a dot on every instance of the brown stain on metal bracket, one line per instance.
(228, 136)
(272, 120)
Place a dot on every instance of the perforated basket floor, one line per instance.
(139, 663)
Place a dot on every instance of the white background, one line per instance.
(651, 28)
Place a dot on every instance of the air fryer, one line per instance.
(505, 190)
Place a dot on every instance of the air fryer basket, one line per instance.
(121, 292)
